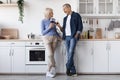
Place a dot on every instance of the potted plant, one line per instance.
(21, 9)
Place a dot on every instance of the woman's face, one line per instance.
(51, 14)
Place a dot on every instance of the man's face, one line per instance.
(66, 10)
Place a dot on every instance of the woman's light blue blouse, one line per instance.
(45, 30)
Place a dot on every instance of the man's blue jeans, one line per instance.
(70, 46)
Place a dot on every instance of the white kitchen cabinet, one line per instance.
(114, 57)
(84, 55)
(99, 8)
(18, 59)
(100, 56)
(8, 5)
(106, 56)
(5, 60)
(12, 57)
(60, 57)
(86, 6)
(118, 7)
(105, 6)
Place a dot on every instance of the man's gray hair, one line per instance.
(67, 5)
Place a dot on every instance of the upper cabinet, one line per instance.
(99, 8)
(118, 7)
(105, 6)
(8, 5)
(86, 6)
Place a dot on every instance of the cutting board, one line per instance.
(13, 33)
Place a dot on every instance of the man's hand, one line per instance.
(58, 24)
(76, 35)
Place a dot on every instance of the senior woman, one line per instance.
(50, 38)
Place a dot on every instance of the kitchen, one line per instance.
(88, 61)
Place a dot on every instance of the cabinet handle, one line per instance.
(106, 47)
(12, 43)
(109, 47)
(10, 53)
(92, 52)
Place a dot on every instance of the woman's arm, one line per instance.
(45, 31)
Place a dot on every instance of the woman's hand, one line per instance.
(52, 25)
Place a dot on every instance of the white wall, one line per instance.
(34, 10)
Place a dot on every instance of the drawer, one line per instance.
(12, 44)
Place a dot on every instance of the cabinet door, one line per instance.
(118, 7)
(100, 56)
(5, 60)
(86, 6)
(60, 58)
(105, 6)
(114, 56)
(18, 59)
(84, 55)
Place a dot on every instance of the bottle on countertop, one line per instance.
(105, 32)
(88, 34)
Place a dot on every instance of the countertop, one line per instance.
(110, 39)
(21, 40)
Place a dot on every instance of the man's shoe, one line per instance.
(68, 72)
(74, 74)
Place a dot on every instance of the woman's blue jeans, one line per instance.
(70, 46)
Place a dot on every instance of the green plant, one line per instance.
(21, 9)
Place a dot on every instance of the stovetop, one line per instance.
(34, 43)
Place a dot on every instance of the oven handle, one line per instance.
(36, 48)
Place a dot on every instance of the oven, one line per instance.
(35, 53)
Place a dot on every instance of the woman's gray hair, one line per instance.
(67, 5)
(47, 12)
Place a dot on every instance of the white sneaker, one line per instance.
(53, 71)
(48, 74)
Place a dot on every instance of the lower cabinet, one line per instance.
(90, 57)
(12, 57)
(5, 60)
(114, 57)
(60, 57)
(105, 57)
(18, 60)
(84, 56)
(36, 69)
(100, 57)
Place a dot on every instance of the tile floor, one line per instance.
(59, 77)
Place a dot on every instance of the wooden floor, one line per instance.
(59, 77)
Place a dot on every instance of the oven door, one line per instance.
(36, 55)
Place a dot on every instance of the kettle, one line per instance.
(31, 36)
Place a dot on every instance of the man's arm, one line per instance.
(79, 26)
(60, 27)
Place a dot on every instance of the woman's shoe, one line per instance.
(48, 74)
(53, 71)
